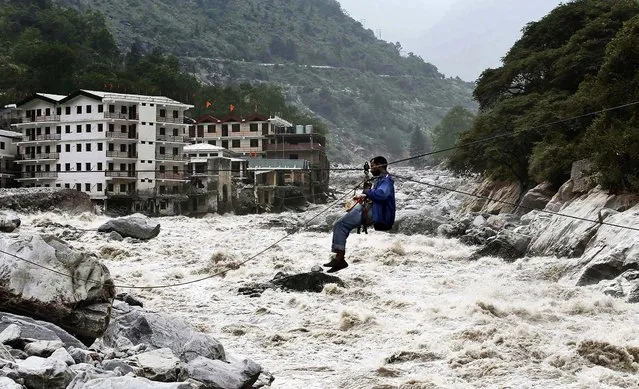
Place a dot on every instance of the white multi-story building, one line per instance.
(109, 145)
(8, 151)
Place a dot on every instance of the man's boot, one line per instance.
(338, 263)
(336, 258)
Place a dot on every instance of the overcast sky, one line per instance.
(460, 37)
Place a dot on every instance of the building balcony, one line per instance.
(119, 194)
(111, 174)
(294, 147)
(40, 138)
(40, 119)
(164, 119)
(172, 138)
(170, 157)
(26, 176)
(120, 155)
(171, 176)
(38, 157)
(121, 116)
(122, 136)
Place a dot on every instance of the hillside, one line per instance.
(367, 93)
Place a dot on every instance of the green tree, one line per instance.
(446, 134)
(419, 144)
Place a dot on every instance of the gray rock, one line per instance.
(422, 222)
(135, 226)
(507, 245)
(117, 364)
(317, 269)
(536, 198)
(7, 383)
(35, 329)
(82, 356)
(63, 355)
(18, 354)
(115, 236)
(479, 221)
(218, 374)
(88, 374)
(5, 355)
(8, 223)
(78, 306)
(127, 382)
(159, 365)
(132, 326)
(43, 348)
(304, 282)
(581, 176)
(10, 334)
(44, 373)
(131, 300)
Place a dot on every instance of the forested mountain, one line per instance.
(581, 58)
(369, 96)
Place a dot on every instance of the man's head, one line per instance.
(378, 166)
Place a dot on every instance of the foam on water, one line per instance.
(416, 313)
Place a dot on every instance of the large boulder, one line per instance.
(44, 373)
(159, 365)
(8, 222)
(44, 278)
(506, 244)
(536, 198)
(132, 326)
(135, 226)
(126, 382)
(421, 222)
(17, 331)
(238, 374)
(313, 281)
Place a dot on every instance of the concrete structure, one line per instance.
(120, 149)
(8, 152)
(242, 135)
(279, 181)
(216, 174)
(301, 142)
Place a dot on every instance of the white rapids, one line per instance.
(416, 313)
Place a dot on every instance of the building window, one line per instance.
(67, 167)
(58, 185)
(99, 185)
(255, 142)
(100, 108)
(211, 129)
(99, 146)
(58, 167)
(87, 187)
(87, 166)
(225, 144)
(110, 187)
(100, 127)
(78, 128)
(67, 129)
(58, 130)
(162, 150)
(88, 147)
(78, 147)
(78, 187)
(111, 127)
(1, 145)
(78, 167)
(58, 111)
(225, 129)
(162, 131)
(163, 113)
(111, 108)
(163, 205)
(253, 127)
(67, 110)
(176, 114)
(88, 109)
(293, 156)
(235, 127)
(79, 109)
(212, 142)
(99, 166)
(235, 143)
(58, 148)
(88, 128)
(67, 148)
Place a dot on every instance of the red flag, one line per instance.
(232, 108)
(208, 104)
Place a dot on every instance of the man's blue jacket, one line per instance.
(383, 197)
